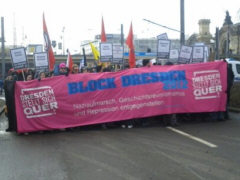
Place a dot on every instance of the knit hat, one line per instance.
(62, 65)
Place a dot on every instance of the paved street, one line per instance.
(154, 152)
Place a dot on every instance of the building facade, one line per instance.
(204, 37)
(233, 32)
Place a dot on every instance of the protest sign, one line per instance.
(163, 36)
(118, 52)
(19, 58)
(106, 52)
(41, 62)
(198, 54)
(185, 55)
(163, 49)
(174, 55)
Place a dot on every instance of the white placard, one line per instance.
(19, 58)
(185, 55)
(41, 61)
(106, 52)
(173, 57)
(163, 49)
(117, 53)
(198, 54)
(206, 54)
(163, 36)
(174, 54)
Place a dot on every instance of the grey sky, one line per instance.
(82, 19)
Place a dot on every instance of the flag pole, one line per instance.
(122, 43)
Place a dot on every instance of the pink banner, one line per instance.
(82, 99)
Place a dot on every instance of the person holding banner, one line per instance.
(170, 119)
(63, 69)
(51, 74)
(9, 87)
(230, 79)
(41, 75)
(221, 116)
(75, 69)
(99, 68)
(145, 121)
(84, 70)
(14, 75)
(29, 77)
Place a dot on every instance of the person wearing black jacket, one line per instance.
(9, 85)
(230, 79)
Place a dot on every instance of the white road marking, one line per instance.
(193, 137)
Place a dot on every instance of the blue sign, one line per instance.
(142, 54)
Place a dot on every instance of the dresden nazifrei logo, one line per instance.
(206, 84)
(38, 102)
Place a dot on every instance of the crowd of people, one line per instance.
(172, 119)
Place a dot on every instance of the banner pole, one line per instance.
(23, 75)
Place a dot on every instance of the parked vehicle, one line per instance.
(235, 68)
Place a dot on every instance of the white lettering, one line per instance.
(212, 89)
(28, 111)
(197, 92)
(53, 105)
(36, 109)
(45, 107)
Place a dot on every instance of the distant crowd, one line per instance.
(62, 69)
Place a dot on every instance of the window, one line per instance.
(238, 68)
(230, 65)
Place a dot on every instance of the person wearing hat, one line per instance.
(63, 69)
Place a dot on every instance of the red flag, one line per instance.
(69, 63)
(103, 35)
(48, 46)
(129, 42)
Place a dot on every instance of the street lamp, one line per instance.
(3, 47)
(238, 52)
(182, 36)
